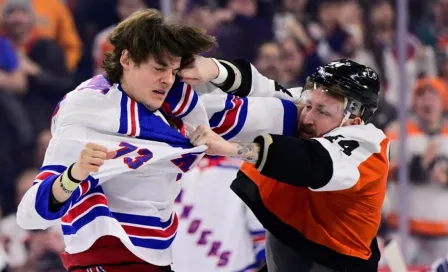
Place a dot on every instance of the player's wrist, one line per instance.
(218, 73)
(69, 183)
(231, 150)
(76, 174)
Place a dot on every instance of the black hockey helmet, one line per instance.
(358, 83)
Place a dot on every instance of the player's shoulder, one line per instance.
(94, 92)
(98, 84)
(368, 136)
(92, 100)
(363, 132)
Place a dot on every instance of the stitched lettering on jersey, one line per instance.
(205, 239)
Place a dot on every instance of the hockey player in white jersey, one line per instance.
(111, 169)
(217, 231)
(319, 194)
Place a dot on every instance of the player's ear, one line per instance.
(357, 121)
(125, 59)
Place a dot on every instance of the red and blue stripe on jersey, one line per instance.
(181, 100)
(88, 202)
(229, 121)
(137, 121)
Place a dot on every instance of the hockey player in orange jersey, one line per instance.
(319, 195)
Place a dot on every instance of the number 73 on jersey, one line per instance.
(144, 155)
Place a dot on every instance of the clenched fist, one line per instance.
(200, 70)
(90, 160)
(216, 144)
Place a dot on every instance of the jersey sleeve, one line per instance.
(249, 82)
(359, 155)
(244, 118)
(346, 158)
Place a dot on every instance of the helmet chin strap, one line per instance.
(348, 113)
(346, 116)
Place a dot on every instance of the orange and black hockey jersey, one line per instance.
(321, 196)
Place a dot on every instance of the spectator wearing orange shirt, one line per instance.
(427, 160)
(42, 60)
(54, 21)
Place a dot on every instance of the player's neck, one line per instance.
(126, 88)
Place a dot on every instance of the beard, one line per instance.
(305, 131)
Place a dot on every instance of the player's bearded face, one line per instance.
(150, 82)
(321, 114)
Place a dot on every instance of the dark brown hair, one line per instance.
(146, 34)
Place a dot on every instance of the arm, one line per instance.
(347, 158)
(14, 81)
(244, 118)
(238, 77)
(70, 161)
(279, 157)
(47, 68)
(234, 118)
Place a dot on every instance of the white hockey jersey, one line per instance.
(217, 231)
(132, 195)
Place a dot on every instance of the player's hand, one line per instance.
(92, 157)
(198, 71)
(216, 144)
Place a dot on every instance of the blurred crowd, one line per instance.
(47, 47)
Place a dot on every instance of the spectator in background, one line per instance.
(382, 53)
(15, 126)
(427, 158)
(443, 71)
(13, 236)
(296, 8)
(54, 21)
(250, 26)
(433, 28)
(331, 35)
(101, 43)
(42, 60)
(292, 64)
(292, 21)
(27, 250)
(268, 61)
(199, 15)
(384, 115)
(43, 139)
(11, 78)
